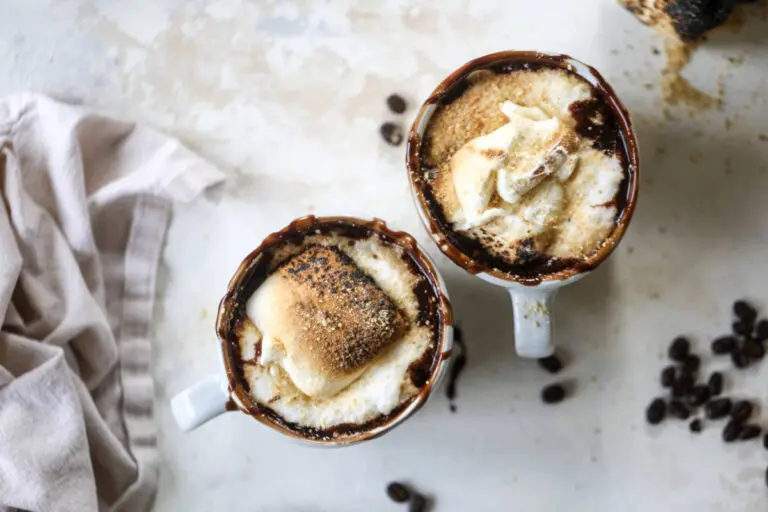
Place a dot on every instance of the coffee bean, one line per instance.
(695, 426)
(744, 311)
(765, 441)
(723, 345)
(656, 411)
(738, 359)
(748, 432)
(719, 408)
(715, 383)
(398, 492)
(678, 349)
(691, 363)
(668, 376)
(553, 394)
(392, 133)
(742, 410)
(552, 364)
(683, 385)
(761, 330)
(678, 409)
(731, 431)
(741, 328)
(396, 103)
(418, 504)
(699, 395)
(753, 349)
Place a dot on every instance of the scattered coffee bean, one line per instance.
(753, 349)
(744, 311)
(398, 492)
(396, 103)
(682, 385)
(678, 409)
(742, 410)
(392, 133)
(692, 363)
(719, 408)
(761, 330)
(553, 394)
(739, 360)
(695, 426)
(731, 431)
(748, 432)
(741, 328)
(457, 366)
(418, 504)
(656, 411)
(699, 395)
(668, 376)
(679, 348)
(552, 364)
(723, 345)
(715, 383)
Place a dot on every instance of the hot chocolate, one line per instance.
(336, 327)
(524, 166)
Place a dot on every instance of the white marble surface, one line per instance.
(287, 97)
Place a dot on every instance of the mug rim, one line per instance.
(457, 256)
(226, 313)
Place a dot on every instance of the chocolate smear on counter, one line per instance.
(457, 366)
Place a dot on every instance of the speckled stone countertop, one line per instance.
(287, 97)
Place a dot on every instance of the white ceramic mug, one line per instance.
(532, 298)
(218, 393)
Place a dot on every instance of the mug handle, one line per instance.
(533, 321)
(201, 402)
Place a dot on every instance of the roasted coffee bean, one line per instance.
(656, 411)
(695, 426)
(552, 364)
(396, 103)
(741, 328)
(739, 360)
(761, 330)
(748, 432)
(418, 504)
(715, 383)
(678, 409)
(668, 376)
(744, 311)
(691, 363)
(723, 345)
(398, 492)
(682, 386)
(742, 410)
(553, 394)
(753, 349)
(678, 349)
(719, 408)
(699, 395)
(392, 133)
(731, 431)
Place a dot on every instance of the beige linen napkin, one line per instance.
(84, 205)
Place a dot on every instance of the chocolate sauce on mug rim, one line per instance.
(433, 307)
(615, 136)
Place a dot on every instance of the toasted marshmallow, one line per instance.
(324, 320)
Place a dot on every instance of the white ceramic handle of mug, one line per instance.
(533, 321)
(200, 402)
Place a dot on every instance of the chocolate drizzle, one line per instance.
(434, 310)
(602, 119)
